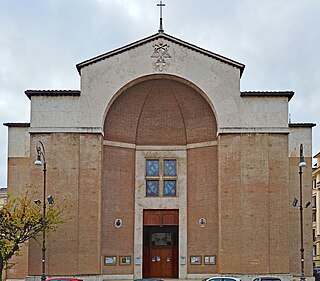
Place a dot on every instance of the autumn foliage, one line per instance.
(21, 220)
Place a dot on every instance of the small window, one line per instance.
(152, 168)
(161, 177)
(170, 168)
(314, 184)
(152, 188)
(169, 188)
(314, 250)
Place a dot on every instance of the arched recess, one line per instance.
(160, 110)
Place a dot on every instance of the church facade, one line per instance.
(171, 170)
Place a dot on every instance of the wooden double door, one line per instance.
(160, 251)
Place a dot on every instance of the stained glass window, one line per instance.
(161, 177)
(169, 188)
(152, 168)
(170, 167)
(152, 188)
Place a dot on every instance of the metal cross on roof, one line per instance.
(161, 5)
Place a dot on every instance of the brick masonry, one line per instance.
(118, 203)
(203, 203)
(238, 182)
(74, 174)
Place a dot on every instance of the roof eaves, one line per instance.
(288, 94)
(315, 171)
(316, 156)
(115, 52)
(206, 52)
(17, 125)
(153, 37)
(302, 125)
(52, 93)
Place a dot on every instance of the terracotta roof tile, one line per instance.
(52, 93)
(17, 124)
(288, 94)
(301, 125)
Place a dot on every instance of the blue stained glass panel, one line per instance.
(170, 188)
(170, 167)
(152, 188)
(152, 168)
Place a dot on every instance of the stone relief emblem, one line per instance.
(161, 54)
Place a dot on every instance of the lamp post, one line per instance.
(41, 160)
(302, 164)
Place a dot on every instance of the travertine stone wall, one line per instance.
(101, 80)
(19, 144)
(178, 202)
(60, 112)
(264, 112)
(253, 203)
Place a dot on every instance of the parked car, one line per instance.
(267, 278)
(222, 278)
(316, 273)
(63, 279)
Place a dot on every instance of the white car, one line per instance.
(222, 278)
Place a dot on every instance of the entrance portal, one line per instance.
(160, 252)
(160, 246)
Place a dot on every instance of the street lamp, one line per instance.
(41, 160)
(302, 164)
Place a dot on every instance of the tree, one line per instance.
(21, 220)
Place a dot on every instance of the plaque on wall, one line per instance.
(110, 260)
(138, 261)
(210, 259)
(117, 223)
(202, 222)
(124, 260)
(196, 260)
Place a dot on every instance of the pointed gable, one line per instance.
(160, 35)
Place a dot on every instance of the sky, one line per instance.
(41, 41)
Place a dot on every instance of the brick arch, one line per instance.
(159, 110)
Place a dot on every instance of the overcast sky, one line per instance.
(41, 41)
